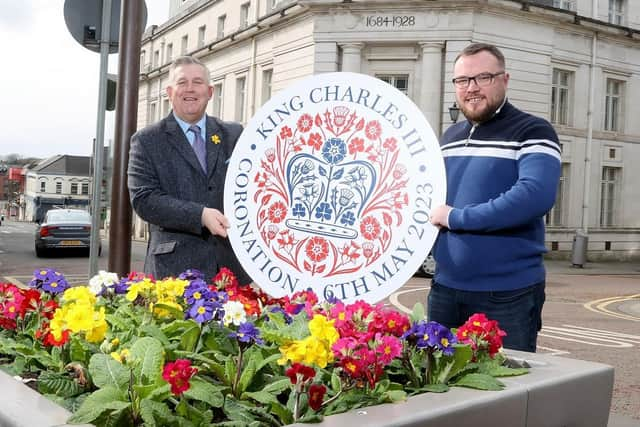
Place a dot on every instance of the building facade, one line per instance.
(61, 181)
(573, 62)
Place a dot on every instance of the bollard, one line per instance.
(579, 249)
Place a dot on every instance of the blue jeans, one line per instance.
(518, 312)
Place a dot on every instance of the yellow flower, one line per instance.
(80, 294)
(215, 139)
(141, 287)
(323, 329)
(120, 356)
(310, 351)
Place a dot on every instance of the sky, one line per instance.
(49, 96)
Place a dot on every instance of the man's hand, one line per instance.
(440, 216)
(215, 221)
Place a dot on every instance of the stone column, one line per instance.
(351, 56)
(430, 101)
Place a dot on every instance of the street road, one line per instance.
(586, 316)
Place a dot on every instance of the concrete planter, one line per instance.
(557, 392)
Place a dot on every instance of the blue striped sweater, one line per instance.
(502, 178)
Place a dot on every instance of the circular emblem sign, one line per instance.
(330, 187)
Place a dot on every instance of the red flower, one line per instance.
(305, 122)
(373, 130)
(299, 372)
(178, 374)
(225, 278)
(277, 212)
(370, 228)
(317, 249)
(482, 334)
(316, 394)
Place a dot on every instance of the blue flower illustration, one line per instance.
(334, 150)
(298, 210)
(348, 218)
(323, 211)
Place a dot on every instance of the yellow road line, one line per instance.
(600, 306)
(16, 282)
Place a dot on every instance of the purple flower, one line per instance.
(202, 311)
(247, 333)
(196, 291)
(278, 309)
(432, 336)
(49, 280)
(191, 274)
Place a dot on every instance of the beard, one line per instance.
(481, 115)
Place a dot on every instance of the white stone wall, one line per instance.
(316, 36)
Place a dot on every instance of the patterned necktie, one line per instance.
(199, 147)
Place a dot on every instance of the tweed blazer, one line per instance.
(169, 190)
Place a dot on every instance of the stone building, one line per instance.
(574, 62)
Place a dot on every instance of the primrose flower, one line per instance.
(316, 395)
(49, 280)
(201, 311)
(102, 280)
(247, 333)
(178, 374)
(234, 313)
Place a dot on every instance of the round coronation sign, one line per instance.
(330, 187)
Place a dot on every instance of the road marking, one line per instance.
(552, 351)
(15, 281)
(590, 336)
(600, 306)
(394, 299)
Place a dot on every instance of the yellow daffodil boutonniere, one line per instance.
(215, 139)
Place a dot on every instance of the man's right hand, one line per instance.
(215, 221)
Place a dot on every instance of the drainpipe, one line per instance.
(253, 68)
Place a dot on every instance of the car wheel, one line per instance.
(40, 252)
(428, 267)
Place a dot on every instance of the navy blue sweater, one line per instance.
(502, 178)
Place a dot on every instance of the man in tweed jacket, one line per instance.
(168, 187)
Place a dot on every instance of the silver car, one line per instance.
(62, 230)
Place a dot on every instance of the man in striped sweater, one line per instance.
(503, 167)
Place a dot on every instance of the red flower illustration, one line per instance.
(305, 122)
(370, 228)
(373, 130)
(285, 132)
(390, 144)
(271, 154)
(317, 249)
(315, 141)
(356, 146)
(277, 212)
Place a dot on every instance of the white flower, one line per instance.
(103, 278)
(234, 313)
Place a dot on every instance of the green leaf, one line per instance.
(479, 382)
(58, 384)
(504, 371)
(149, 360)
(418, 313)
(336, 385)
(105, 372)
(190, 338)
(153, 330)
(435, 388)
(108, 399)
(173, 311)
(152, 411)
(262, 396)
(395, 396)
(80, 350)
(278, 386)
(206, 392)
(248, 372)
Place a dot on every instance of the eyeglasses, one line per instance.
(482, 80)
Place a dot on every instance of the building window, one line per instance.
(169, 52)
(399, 81)
(152, 113)
(221, 20)
(184, 44)
(565, 4)
(241, 86)
(555, 217)
(58, 187)
(85, 188)
(273, 4)
(217, 100)
(156, 59)
(244, 15)
(560, 96)
(74, 188)
(609, 195)
(267, 77)
(43, 186)
(166, 107)
(613, 105)
(201, 34)
(143, 58)
(616, 12)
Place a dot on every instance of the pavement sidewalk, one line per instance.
(593, 268)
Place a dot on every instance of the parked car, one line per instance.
(428, 267)
(62, 230)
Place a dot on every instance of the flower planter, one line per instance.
(557, 391)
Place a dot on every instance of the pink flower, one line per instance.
(389, 347)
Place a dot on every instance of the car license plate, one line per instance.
(71, 243)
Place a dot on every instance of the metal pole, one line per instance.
(131, 27)
(98, 147)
